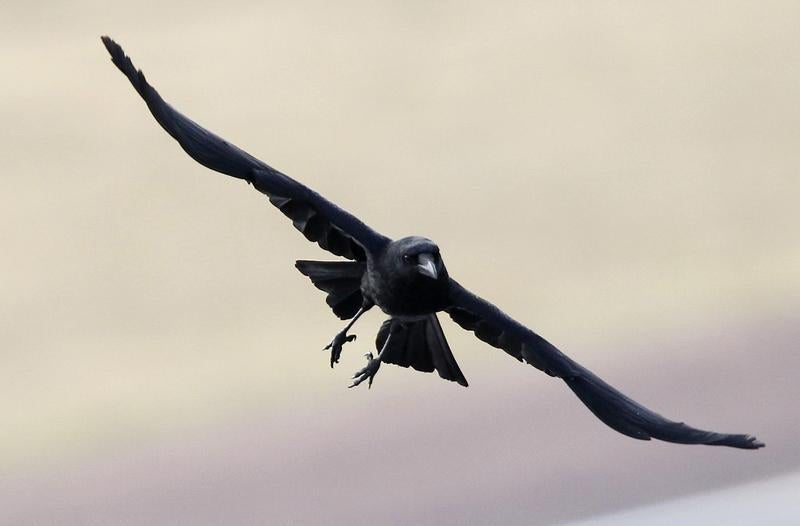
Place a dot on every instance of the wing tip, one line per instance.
(634, 420)
(114, 49)
(743, 442)
(124, 64)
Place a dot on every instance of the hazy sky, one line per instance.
(767, 503)
(620, 176)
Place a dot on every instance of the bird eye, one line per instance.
(407, 258)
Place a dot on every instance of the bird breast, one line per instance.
(407, 296)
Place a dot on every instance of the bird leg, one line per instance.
(341, 338)
(373, 363)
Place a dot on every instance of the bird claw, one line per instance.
(336, 346)
(368, 372)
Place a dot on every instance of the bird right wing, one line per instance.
(319, 220)
(616, 410)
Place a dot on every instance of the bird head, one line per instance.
(417, 256)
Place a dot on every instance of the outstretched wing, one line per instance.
(611, 406)
(318, 219)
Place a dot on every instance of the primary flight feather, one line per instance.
(406, 279)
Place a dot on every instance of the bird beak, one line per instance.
(427, 266)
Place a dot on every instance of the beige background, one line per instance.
(621, 176)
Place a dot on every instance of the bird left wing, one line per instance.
(319, 220)
(615, 409)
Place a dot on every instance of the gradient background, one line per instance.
(621, 176)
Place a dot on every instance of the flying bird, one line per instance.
(408, 280)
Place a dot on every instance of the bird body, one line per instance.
(407, 280)
(395, 284)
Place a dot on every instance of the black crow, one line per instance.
(406, 279)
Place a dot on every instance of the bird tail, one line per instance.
(340, 279)
(421, 345)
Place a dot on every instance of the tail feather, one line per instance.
(420, 345)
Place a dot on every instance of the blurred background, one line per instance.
(620, 176)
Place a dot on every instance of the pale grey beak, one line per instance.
(427, 265)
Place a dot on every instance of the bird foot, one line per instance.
(336, 345)
(368, 372)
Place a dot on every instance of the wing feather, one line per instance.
(615, 409)
(319, 220)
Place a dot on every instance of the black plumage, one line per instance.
(421, 345)
(408, 280)
(341, 280)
